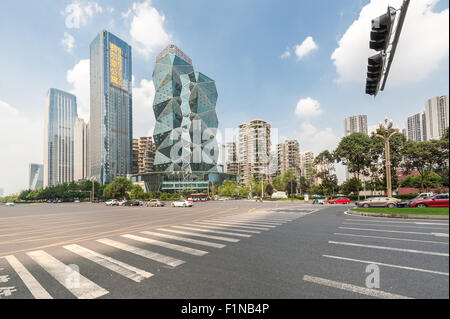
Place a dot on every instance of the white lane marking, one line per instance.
(389, 248)
(117, 266)
(231, 240)
(186, 239)
(353, 288)
(390, 231)
(86, 290)
(378, 218)
(212, 231)
(232, 225)
(388, 265)
(30, 282)
(222, 227)
(183, 249)
(400, 226)
(391, 238)
(395, 222)
(163, 259)
(440, 234)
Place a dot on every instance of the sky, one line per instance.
(300, 65)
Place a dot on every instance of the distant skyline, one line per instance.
(300, 65)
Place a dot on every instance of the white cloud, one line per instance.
(21, 140)
(307, 46)
(80, 80)
(79, 12)
(315, 140)
(422, 47)
(286, 54)
(146, 28)
(308, 108)
(68, 42)
(143, 116)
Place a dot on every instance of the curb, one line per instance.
(404, 216)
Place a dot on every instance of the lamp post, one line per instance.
(386, 136)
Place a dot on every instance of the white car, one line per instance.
(10, 204)
(182, 203)
(112, 202)
(122, 202)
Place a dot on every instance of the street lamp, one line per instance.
(386, 136)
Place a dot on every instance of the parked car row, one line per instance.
(151, 203)
(440, 200)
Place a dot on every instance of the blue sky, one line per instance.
(239, 44)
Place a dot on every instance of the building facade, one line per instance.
(36, 177)
(145, 154)
(416, 128)
(60, 115)
(254, 150)
(436, 114)
(80, 150)
(232, 158)
(307, 165)
(110, 137)
(354, 124)
(288, 154)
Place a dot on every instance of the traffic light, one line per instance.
(374, 73)
(381, 30)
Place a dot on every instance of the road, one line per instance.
(229, 249)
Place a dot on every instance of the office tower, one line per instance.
(416, 129)
(307, 165)
(436, 114)
(357, 123)
(60, 115)
(80, 150)
(288, 154)
(232, 158)
(185, 112)
(254, 150)
(110, 137)
(36, 178)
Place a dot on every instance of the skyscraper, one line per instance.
(232, 158)
(288, 157)
(60, 115)
(110, 137)
(307, 165)
(80, 150)
(416, 128)
(357, 123)
(143, 155)
(185, 112)
(436, 114)
(36, 179)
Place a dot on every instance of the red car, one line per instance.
(435, 201)
(340, 200)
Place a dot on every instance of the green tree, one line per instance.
(228, 188)
(244, 191)
(269, 189)
(278, 184)
(136, 192)
(118, 189)
(431, 180)
(352, 185)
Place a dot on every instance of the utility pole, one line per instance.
(93, 189)
(386, 136)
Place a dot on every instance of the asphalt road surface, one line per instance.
(226, 249)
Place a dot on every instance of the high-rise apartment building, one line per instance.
(354, 124)
(288, 154)
(436, 114)
(185, 112)
(143, 155)
(416, 128)
(80, 163)
(254, 150)
(36, 178)
(135, 151)
(60, 115)
(110, 127)
(307, 165)
(232, 158)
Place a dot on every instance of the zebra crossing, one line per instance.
(167, 246)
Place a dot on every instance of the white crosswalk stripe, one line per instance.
(253, 222)
(84, 289)
(223, 227)
(183, 249)
(241, 223)
(163, 259)
(232, 225)
(119, 267)
(231, 240)
(212, 231)
(185, 239)
(30, 282)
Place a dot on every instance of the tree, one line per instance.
(354, 152)
(244, 191)
(278, 184)
(269, 189)
(431, 180)
(352, 185)
(118, 189)
(228, 188)
(136, 192)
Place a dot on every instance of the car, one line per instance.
(440, 200)
(76, 201)
(405, 203)
(378, 202)
(122, 202)
(340, 200)
(318, 201)
(10, 204)
(155, 203)
(182, 203)
(112, 202)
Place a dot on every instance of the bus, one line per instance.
(198, 197)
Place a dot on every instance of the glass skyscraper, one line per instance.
(60, 115)
(36, 179)
(185, 112)
(110, 137)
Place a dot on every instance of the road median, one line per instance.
(362, 212)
